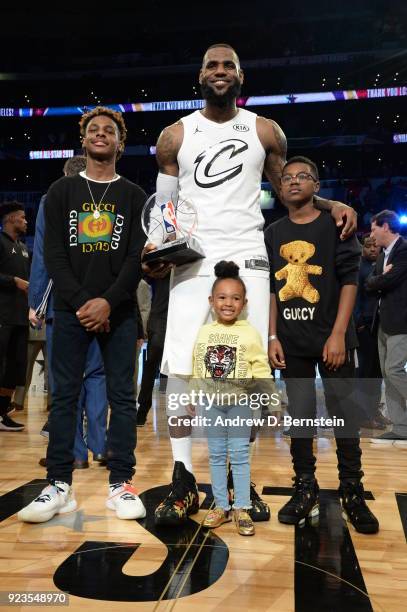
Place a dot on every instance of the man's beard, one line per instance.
(224, 100)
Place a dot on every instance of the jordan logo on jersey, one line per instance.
(214, 165)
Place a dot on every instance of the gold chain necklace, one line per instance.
(96, 211)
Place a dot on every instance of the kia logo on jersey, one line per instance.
(240, 127)
(214, 165)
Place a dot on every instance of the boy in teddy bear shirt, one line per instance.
(313, 285)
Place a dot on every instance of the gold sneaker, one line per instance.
(216, 517)
(243, 522)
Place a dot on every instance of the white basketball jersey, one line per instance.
(220, 171)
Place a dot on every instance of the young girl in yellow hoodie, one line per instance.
(228, 358)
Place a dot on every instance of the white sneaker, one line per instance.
(54, 499)
(400, 443)
(124, 499)
(385, 438)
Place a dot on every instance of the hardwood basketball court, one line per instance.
(109, 564)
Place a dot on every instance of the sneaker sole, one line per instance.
(400, 444)
(44, 434)
(367, 530)
(140, 515)
(4, 428)
(291, 520)
(69, 507)
(242, 533)
(383, 442)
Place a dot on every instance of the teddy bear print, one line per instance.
(296, 272)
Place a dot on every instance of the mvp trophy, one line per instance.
(169, 226)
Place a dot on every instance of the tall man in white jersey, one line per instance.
(216, 157)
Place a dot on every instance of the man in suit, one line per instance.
(389, 280)
(369, 372)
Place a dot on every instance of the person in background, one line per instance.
(36, 344)
(368, 373)
(14, 273)
(388, 281)
(143, 304)
(156, 326)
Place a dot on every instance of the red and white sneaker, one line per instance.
(124, 500)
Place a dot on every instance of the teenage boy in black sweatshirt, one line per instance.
(92, 248)
(313, 285)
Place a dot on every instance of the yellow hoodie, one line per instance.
(229, 358)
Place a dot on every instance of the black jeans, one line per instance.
(155, 347)
(69, 350)
(339, 390)
(369, 373)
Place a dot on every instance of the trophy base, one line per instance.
(177, 252)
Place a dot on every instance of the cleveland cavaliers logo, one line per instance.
(215, 165)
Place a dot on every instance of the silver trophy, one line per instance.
(169, 223)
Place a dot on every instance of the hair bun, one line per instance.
(226, 269)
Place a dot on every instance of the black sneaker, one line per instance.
(260, 510)
(303, 503)
(7, 424)
(11, 408)
(355, 509)
(100, 459)
(182, 500)
(45, 430)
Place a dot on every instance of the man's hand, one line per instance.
(334, 351)
(387, 268)
(33, 319)
(276, 355)
(94, 315)
(21, 284)
(155, 270)
(344, 215)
